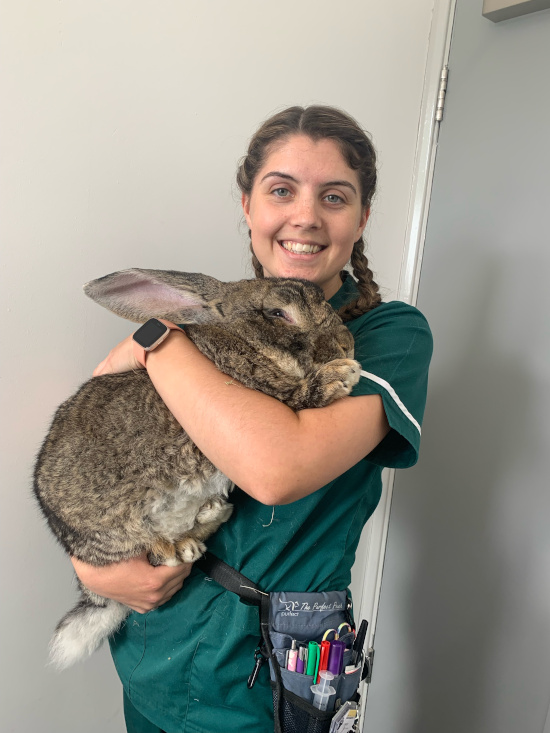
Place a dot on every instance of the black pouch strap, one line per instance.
(230, 579)
(248, 592)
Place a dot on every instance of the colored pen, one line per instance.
(323, 659)
(292, 657)
(312, 657)
(300, 660)
(336, 657)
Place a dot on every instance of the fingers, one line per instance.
(100, 368)
(134, 582)
(165, 583)
(119, 359)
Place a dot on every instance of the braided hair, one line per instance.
(319, 123)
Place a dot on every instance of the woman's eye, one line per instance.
(281, 192)
(333, 198)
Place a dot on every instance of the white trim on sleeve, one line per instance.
(393, 394)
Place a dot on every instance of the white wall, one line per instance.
(463, 640)
(122, 123)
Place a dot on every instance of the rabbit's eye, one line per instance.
(278, 313)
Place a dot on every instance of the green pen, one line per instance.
(312, 658)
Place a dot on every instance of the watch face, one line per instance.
(150, 333)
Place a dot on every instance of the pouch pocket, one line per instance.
(300, 684)
(298, 716)
(348, 684)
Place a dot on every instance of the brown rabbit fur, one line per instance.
(117, 475)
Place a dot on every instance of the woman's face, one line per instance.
(305, 212)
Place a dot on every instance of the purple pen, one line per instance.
(336, 657)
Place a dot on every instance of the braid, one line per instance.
(369, 295)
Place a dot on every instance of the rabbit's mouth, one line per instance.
(300, 248)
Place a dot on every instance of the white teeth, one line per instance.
(299, 248)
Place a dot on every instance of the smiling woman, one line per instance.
(307, 480)
(322, 167)
(305, 212)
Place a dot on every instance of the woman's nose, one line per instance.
(306, 213)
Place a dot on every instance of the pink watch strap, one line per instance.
(139, 351)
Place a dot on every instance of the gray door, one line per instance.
(463, 641)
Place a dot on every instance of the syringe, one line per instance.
(322, 690)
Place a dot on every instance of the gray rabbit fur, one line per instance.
(117, 475)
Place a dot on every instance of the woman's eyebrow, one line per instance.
(286, 176)
(341, 183)
(278, 174)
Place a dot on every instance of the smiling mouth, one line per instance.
(299, 248)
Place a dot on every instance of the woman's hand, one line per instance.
(119, 359)
(135, 582)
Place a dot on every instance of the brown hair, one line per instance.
(319, 122)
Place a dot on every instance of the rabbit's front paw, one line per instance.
(338, 378)
(330, 382)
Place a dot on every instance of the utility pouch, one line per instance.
(301, 617)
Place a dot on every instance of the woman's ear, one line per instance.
(363, 223)
(245, 201)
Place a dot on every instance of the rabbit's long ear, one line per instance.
(142, 294)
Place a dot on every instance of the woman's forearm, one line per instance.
(271, 452)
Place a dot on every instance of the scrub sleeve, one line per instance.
(185, 665)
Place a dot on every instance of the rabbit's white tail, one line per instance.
(81, 631)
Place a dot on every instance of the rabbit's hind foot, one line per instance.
(187, 549)
(163, 552)
(190, 549)
(216, 510)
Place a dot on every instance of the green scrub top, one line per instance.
(185, 665)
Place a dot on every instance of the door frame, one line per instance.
(374, 538)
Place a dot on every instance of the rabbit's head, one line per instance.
(289, 315)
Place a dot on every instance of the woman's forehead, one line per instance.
(302, 158)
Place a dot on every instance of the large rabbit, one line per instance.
(117, 475)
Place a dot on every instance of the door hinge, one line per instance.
(367, 667)
(441, 94)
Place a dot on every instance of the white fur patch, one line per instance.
(83, 632)
(175, 512)
(171, 562)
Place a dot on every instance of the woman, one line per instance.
(307, 481)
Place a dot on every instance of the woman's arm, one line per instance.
(134, 582)
(272, 453)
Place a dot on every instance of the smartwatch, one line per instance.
(151, 335)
